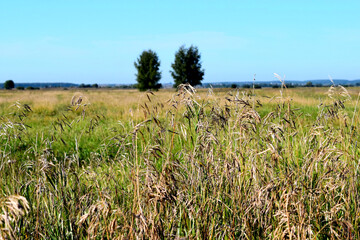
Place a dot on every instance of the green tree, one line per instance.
(9, 84)
(187, 66)
(148, 74)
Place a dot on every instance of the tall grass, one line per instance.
(197, 166)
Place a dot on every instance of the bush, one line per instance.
(309, 84)
(84, 85)
(32, 88)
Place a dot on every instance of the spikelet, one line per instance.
(95, 215)
(13, 208)
(338, 92)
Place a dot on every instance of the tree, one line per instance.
(148, 74)
(187, 66)
(9, 84)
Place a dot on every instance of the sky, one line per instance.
(98, 41)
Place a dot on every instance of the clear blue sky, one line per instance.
(97, 41)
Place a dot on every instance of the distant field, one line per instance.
(215, 164)
(118, 104)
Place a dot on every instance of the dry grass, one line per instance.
(187, 165)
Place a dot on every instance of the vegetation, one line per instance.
(148, 71)
(213, 164)
(309, 84)
(32, 88)
(187, 67)
(9, 84)
(257, 86)
(95, 85)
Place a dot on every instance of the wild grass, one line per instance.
(180, 165)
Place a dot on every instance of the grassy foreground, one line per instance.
(107, 164)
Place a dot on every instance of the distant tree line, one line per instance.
(35, 85)
(268, 85)
(95, 85)
(9, 84)
(27, 88)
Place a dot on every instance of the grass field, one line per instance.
(211, 164)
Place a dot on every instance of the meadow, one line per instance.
(193, 164)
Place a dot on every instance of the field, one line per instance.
(205, 164)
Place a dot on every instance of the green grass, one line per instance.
(199, 166)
